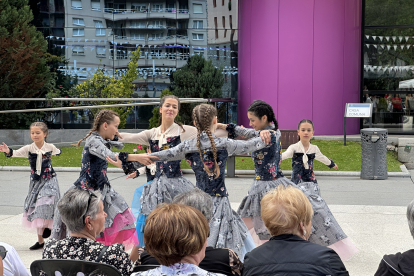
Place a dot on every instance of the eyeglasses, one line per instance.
(87, 207)
(3, 252)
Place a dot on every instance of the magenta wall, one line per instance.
(303, 58)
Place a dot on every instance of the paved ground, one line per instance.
(371, 212)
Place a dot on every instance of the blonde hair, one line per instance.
(42, 126)
(104, 116)
(203, 115)
(173, 231)
(284, 208)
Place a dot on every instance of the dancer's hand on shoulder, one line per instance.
(117, 162)
(4, 148)
(265, 135)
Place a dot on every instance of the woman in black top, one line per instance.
(287, 214)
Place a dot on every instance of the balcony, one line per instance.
(124, 14)
(169, 13)
(147, 40)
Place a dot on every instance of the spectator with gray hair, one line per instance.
(400, 263)
(216, 260)
(83, 214)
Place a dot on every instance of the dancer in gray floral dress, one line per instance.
(207, 156)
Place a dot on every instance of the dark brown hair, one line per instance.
(306, 121)
(203, 115)
(173, 231)
(162, 101)
(260, 108)
(104, 116)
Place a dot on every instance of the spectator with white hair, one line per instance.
(83, 214)
(400, 263)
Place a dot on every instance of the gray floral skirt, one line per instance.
(325, 228)
(163, 189)
(227, 229)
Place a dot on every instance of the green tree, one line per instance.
(197, 79)
(104, 86)
(154, 121)
(24, 72)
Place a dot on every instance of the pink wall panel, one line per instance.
(295, 62)
(244, 59)
(328, 66)
(302, 57)
(352, 58)
(264, 57)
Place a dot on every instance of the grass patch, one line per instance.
(348, 158)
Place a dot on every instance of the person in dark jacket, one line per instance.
(401, 263)
(287, 214)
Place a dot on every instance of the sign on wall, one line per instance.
(358, 110)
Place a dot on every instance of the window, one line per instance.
(222, 2)
(198, 8)
(78, 21)
(199, 52)
(100, 31)
(77, 4)
(197, 24)
(156, 36)
(218, 53)
(223, 20)
(96, 5)
(137, 24)
(139, 7)
(231, 22)
(216, 34)
(157, 7)
(198, 37)
(78, 32)
(156, 24)
(100, 51)
(137, 36)
(214, 3)
(225, 33)
(224, 51)
(78, 51)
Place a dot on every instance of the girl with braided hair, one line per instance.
(268, 175)
(169, 180)
(120, 223)
(207, 156)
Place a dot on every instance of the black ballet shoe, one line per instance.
(37, 246)
(46, 233)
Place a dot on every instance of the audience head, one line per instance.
(175, 232)
(286, 210)
(198, 199)
(410, 217)
(260, 114)
(82, 211)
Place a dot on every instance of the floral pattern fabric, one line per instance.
(75, 248)
(169, 168)
(300, 173)
(94, 166)
(178, 269)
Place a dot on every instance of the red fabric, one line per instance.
(396, 105)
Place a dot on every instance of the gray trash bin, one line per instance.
(374, 153)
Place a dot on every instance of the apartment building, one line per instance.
(223, 41)
(102, 33)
